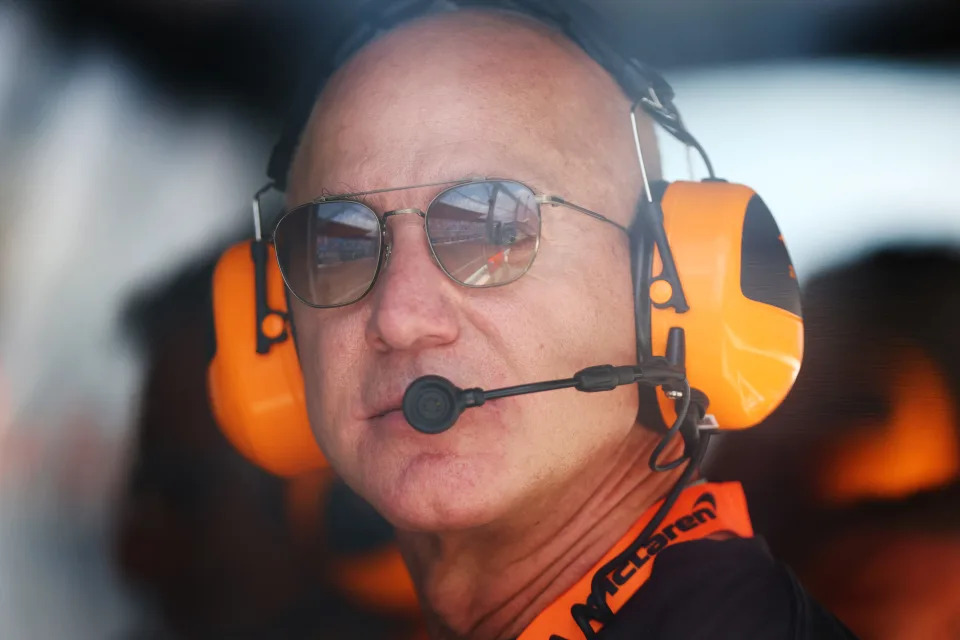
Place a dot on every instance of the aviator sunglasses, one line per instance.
(481, 233)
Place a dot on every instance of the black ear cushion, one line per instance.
(648, 413)
(641, 262)
(210, 328)
(290, 323)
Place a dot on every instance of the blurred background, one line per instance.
(132, 135)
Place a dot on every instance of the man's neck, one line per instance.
(489, 584)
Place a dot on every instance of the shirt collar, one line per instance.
(701, 510)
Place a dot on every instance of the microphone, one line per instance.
(432, 404)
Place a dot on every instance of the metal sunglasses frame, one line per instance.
(385, 247)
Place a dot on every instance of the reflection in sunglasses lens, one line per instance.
(485, 234)
(329, 252)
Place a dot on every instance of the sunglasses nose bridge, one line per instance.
(397, 212)
(387, 239)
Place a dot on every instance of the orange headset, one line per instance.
(708, 259)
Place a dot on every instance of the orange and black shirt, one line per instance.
(686, 583)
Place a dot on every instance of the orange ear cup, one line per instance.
(257, 399)
(742, 350)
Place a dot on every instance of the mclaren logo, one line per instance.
(704, 509)
(706, 498)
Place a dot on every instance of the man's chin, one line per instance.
(434, 492)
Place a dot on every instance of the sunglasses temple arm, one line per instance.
(557, 201)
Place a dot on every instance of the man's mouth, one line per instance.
(384, 405)
(385, 412)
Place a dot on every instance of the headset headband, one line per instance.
(580, 23)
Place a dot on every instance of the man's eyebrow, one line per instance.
(348, 192)
(362, 198)
(343, 192)
(366, 196)
(329, 195)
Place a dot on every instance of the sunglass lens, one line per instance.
(485, 234)
(329, 252)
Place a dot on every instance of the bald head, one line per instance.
(473, 93)
(413, 104)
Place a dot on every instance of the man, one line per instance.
(500, 517)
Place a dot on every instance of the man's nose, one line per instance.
(413, 301)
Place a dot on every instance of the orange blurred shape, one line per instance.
(379, 580)
(916, 448)
(304, 495)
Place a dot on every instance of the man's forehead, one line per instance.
(466, 94)
(393, 168)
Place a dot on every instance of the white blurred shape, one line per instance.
(848, 156)
(105, 186)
